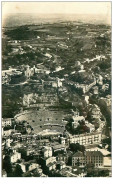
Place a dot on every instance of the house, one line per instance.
(95, 112)
(7, 132)
(86, 139)
(90, 126)
(100, 80)
(62, 140)
(94, 157)
(39, 170)
(46, 161)
(4, 173)
(62, 157)
(89, 157)
(77, 117)
(23, 167)
(15, 156)
(8, 142)
(95, 90)
(78, 159)
(47, 152)
(6, 122)
(29, 72)
(33, 166)
(17, 136)
(66, 172)
(51, 166)
(78, 171)
(60, 165)
(59, 147)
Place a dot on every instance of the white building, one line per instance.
(29, 72)
(90, 126)
(33, 166)
(16, 156)
(100, 80)
(77, 117)
(23, 167)
(59, 82)
(62, 140)
(86, 139)
(8, 142)
(47, 152)
(6, 122)
(50, 160)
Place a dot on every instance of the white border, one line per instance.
(57, 186)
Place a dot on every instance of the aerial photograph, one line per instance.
(56, 89)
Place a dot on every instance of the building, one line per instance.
(33, 166)
(29, 72)
(77, 117)
(59, 82)
(95, 112)
(78, 159)
(100, 80)
(107, 161)
(89, 157)
(8, 142)
(95, 158)
(48, 163)
(62, 157)
(62, 140)
(59, 147)
(15, 156)
(95, 90)
(7, 132)
(86, 139)
(23, 167)
(47, 152)
(90, 126)
(4, 173)
(60, 165)
(51, 166)
(6, 122)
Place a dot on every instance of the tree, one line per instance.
(23, 153)
(18, 171)
(103, 173)
(7, 165)
(77, 147)
(69, 126)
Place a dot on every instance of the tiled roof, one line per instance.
(78, 154)
(94, 153)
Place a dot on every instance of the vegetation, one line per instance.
(77, 147)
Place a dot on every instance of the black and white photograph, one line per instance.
(56, 95)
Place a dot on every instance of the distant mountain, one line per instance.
(12, 20)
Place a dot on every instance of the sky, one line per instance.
(94, 8)
(57, 7)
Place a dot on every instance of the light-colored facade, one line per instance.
(6, 122)
(86, 139)
(16, 156)
(47, 152)
(23, 167)
(50, 160)
(33, 166)
(89, 157)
